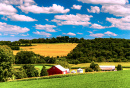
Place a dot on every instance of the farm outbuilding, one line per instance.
(79, 70)
(57, 69)
(107, 68)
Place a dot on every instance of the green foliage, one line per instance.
(63, 62)
(27, 57)
(20, 74)
(94, 66)
(101, 50)
(43, 71)
(88, 69)
(6, 61)
(15, 47)
(74, 61)
(119, 67)
(30, 70)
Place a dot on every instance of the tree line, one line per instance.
(101, 50)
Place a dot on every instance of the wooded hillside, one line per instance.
(101, 50)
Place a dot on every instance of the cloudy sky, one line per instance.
(28, 19)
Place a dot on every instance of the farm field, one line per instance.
(126, 64)
(54, 49)
(117, 79)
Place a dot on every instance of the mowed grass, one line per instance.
(55, 49)
(117, 79)
(127, 64)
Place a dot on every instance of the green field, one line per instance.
(117, 79)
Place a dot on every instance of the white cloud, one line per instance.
(94, 9)
(102, 2)
(123, 23)
(12, 35)
(10, 12)
(97, 35)
(46, 19)
(48, 28)
(4, 18)
(78, 7)
(97, 26)
(24, 34)
(18, 17)
(70, 33)
(12, 29)
(7, 9)
(42, 33)
(79, 33)
(90, 31)
(18, 2)
(71, 19)
(117, 10)
(110, 33)
(36, 9)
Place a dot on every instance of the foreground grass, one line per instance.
(54, 49)
(118, 79)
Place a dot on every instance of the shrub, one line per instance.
(15, 47)
(119, 67)
(88, 69)
(30, 71)
(43, 71)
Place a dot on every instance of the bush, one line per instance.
(15, 47)
(88, 69)
(94, 66)
(43, 71)
(30, 71)
(119, 67)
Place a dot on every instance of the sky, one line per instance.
(89, 19)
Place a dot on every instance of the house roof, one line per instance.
(102, 67)
(60, 67)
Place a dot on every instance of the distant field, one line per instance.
(55, 49)
(127, 64)
(116, 79)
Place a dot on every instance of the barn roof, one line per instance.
(60, 67)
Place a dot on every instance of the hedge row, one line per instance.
(50, 77)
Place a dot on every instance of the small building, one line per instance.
(79, 70)
(107, 68)
(57, 69)
(73, 71)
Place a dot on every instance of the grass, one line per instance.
(117, 79)
(126, 64)
(54, 49)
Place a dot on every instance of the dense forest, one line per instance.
(101, 50)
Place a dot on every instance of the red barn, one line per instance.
(57, 69)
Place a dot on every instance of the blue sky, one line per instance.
(28, 19)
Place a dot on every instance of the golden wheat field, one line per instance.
(55, 49)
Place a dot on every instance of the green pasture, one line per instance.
(117, 79)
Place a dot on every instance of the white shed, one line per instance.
(79, 70)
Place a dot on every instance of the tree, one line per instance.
(63, 62)
(119, 67)
(6, 61)
(26, 57)
(43, 71)
(30, 70)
